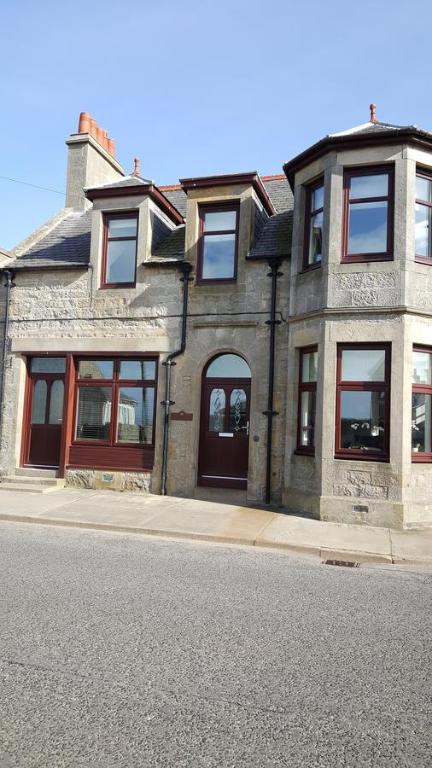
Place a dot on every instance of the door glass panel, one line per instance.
(228, 367)
(217, 411)
(94, 413)
(95, 369)
(135, 415)
(56, 402)
(48, 365)
(137, 369)
(238, 411)
(39, 402)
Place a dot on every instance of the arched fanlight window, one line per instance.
(228, 367)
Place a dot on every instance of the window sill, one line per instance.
(116, 286)
(361, 456)
(423, 260)
(215, 281)
(421, 458)
(310, 268)
(366, 257)
(305, 452)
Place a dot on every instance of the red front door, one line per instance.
(224, 437)
(45, 419)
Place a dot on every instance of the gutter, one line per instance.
(9, 277)
(185, 268)
(270, 413)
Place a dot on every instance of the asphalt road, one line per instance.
(121, 651)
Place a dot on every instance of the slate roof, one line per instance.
(275, 237)
(128, 181)
(68, 243)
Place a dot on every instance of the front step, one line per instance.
(36, 472)
(33, 484)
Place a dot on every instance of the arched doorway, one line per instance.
(224, 430)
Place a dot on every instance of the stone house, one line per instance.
(235, 337)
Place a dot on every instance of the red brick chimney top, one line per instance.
(373, 118)
(88, 124)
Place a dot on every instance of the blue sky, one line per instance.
(197, 87)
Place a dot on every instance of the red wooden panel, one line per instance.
(123, 459)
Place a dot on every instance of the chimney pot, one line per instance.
(84, 123)
(136, 170)
(111, 147)
(99, 135)
(372, 108)
(93, 127)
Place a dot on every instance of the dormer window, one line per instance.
(119, 250)
(312, 255)
(218, 243)
(368, 221)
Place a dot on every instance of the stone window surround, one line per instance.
(107, 217)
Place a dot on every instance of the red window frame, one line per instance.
(363, 386)
(426, 204)
(107, 217)
(304, 386)
(389, 198)
(309, 213)
(215, 208)
(422, 389)
(115, 383)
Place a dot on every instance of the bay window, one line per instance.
(421, 417)
(312, 253)
(368, 214)
(363, 401)
(423, 218)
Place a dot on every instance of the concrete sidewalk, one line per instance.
(191, 519)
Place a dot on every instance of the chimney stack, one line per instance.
(91, 161)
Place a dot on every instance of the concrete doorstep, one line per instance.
(214, 522)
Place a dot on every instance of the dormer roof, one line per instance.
(373, 133)
(231, 179)
(135, 185)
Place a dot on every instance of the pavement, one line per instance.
(223, 523)
(125, 651)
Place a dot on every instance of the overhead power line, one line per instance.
(35, 186)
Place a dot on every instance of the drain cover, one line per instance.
(343, 563)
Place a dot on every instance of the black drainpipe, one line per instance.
(274, 273)
(9, 277)
(168, 363)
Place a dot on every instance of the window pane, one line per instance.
(238, 411)
(423, 189)
(122, 227)
(95, 369)
(317, 200)
(217, 411)
(369, 186)
(48, 365)
(307, 419)
(56, 402)
(94, 413)
(309, 366)
(120, 262)
(137, 369)
(422, 368)
(228, 367)
(423, 216)
(218, 220)
(218, 256)
(39, 402)
(367, 228)
(135, 415)
(315, 239)
(363, 365)
(363, 421)
(421, 423)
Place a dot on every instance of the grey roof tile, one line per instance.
(68, 244)
(173, 246)
(275, 237)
